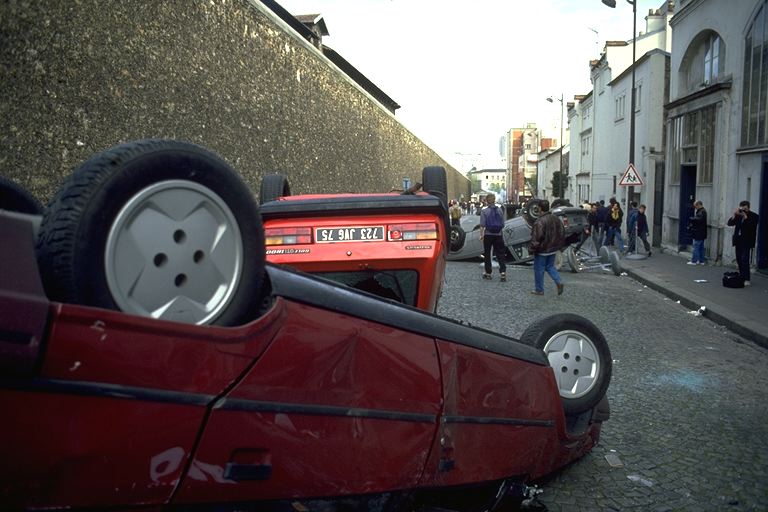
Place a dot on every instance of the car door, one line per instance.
(337, 405)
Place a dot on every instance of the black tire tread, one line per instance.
(272, 187)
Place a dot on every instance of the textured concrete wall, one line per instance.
(82, 75)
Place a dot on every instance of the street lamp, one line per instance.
(612, 4)
(562, 176)
(631, 189)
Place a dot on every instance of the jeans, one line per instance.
(499, 250)
(698, 252)
(614, 232)
(742, 258)
(543, 264)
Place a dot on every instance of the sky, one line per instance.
(464, 73)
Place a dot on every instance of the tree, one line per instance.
(559, 184)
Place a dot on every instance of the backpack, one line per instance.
(494, 222)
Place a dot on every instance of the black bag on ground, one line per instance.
(733, 280)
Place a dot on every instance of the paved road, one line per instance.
(689, 419)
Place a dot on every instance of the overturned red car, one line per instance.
(152, 360)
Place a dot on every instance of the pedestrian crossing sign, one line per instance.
(631, 177)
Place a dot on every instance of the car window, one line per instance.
(399, 285)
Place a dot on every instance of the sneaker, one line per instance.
(487, 276)
(534, 292)
(747, 283)
(649, 254)
(503, 277)
(691, 263)
(560, 287)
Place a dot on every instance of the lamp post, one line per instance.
(631, 189)
(612, 4)
(562, 176)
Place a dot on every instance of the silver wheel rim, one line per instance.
(575, 361)
(174, 252)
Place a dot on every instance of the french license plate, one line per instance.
(350, 234)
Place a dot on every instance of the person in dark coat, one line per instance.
(602, 216)
(744, 222)
(631, 226)
(642, 228)
(698, 227)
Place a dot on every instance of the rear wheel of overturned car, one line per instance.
(433, 181)
(532, 210)
(273, 186)
(579, 356)
(162, 229)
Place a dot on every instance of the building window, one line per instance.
(703, 63)
(707, 144)
(692, 141)
(587, 111)
(619, 103)
(753, 116)
(527, 146)
(585, 144)
(711, 58)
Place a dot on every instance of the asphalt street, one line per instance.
(688, 422)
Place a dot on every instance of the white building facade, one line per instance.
(717, 120)
(600, 122)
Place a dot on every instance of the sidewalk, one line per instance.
(742, 310)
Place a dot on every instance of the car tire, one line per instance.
(434, 182)
(15, 198)
(273, 186)
(615, 263)
(458, 235)
(532, 210)
(579, 356)
(157, 228)
(604, 254)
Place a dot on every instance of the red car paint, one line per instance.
(328, 393)
(317, 211)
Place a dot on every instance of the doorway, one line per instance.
(687, 195)
(762, 226)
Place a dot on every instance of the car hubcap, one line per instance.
(174, 252)
(574, 359)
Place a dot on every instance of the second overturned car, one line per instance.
(152, 359)
(517, 233)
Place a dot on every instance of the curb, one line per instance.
(711, 311)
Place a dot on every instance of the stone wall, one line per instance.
(82, 75)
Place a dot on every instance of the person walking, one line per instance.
(614, 226)
(547, 237)
(745, 223)
(455, 212)
(698, 227)
(642, 228)
(631, 226)
(602, 217)
(491, 226)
